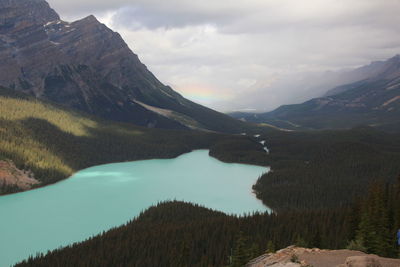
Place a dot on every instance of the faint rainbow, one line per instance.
(204, 94)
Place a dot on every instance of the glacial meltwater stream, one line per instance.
(99, 198)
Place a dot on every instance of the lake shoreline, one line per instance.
(38, 186)
(106, 196)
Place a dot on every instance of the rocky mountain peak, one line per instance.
(394, 60)
(90, 18)
(391, 68)
(87, 66)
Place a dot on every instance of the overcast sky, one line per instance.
(234, 55)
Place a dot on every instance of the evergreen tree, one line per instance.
(241, 251)
(270, 247)
(300, 242)
(374, 232)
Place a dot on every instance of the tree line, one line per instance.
(54, 142)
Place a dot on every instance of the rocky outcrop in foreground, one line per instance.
(303, 257)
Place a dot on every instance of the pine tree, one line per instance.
(240, 253)
(253, 251)
(374, 228)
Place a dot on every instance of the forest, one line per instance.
(327, 168)
(316, 169)
(184, 234)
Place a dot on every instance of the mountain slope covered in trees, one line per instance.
(53, 142)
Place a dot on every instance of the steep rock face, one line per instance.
(87, 66)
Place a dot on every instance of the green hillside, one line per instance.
(54, 142)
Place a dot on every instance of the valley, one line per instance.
(102, 164)
(53, 142)
(372, 101)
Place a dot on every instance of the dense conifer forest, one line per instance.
(316, 169)
(183, 234)
(328, 168)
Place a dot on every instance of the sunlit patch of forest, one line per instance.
(53, 142)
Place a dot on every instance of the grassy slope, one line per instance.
(54, 142)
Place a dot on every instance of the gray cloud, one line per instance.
(223, 53)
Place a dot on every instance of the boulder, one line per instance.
(362, 261)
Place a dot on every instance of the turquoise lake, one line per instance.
(105, 196)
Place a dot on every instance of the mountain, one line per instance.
(298, 87)
(373, 101)
(347, 77)
(86, 66)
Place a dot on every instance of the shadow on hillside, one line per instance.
(102, 145)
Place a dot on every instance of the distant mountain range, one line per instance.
(86, 66)
(373, 100)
